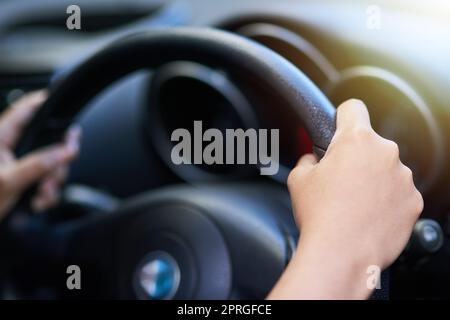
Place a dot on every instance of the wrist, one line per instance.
(337, 272)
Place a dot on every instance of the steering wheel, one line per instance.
(182, 242)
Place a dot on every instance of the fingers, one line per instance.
(48, 192)
(39, 164)
(73, 138)
(6, 157)
(304, 165)
(352, 113)
(47, 195)
(18, 115)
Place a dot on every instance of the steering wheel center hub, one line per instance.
(157, 277)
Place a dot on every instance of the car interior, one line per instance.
(139, 69)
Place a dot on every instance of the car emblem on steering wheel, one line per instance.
(157, 277)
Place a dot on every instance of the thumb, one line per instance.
(352, 113)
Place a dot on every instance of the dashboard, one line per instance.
(398, 68)
(398, 64)
(401, 78)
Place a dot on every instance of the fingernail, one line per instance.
(73, 139)
(41, 93)
(74, 131)
(72, 147)
(39, 97)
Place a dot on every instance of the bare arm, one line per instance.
(47, 166)
(355, 208)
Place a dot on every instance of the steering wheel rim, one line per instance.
(267, 70)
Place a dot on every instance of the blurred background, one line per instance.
(393, 54)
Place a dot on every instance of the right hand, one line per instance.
(356, 207)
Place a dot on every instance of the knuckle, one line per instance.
(292, 178)
(360, 133)
(349, 104)
(416, 206)
(295, 178)
(394, 148)
(419, 202)
(408, 174)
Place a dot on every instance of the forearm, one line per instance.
(319, 271)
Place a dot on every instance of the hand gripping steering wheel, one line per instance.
(185, 241)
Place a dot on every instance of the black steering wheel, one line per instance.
(183, 242)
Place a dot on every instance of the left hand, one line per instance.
(47, 167)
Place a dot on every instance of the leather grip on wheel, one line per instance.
(241, 58)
